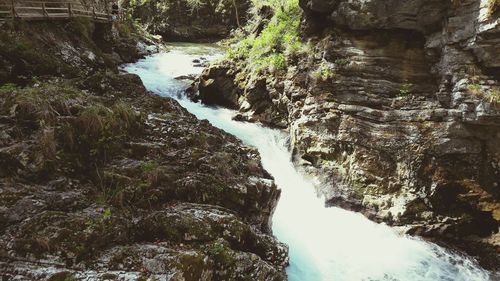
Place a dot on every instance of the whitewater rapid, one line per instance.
(326, 244)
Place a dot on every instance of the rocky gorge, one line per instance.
(387, 108)
(392, 105)
(102, 180)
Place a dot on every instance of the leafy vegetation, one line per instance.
(405, 89)
(491, 95)
(278, 41)
(70, 119)
(195, 5)
(324, 71)
(39, 104)
(9, 87)
(342, 62)
(83, 27)
(493, 6)
(18, 44)
(101, 130)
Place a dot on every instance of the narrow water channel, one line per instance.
(326, 244)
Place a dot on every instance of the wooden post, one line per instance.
(106, 7)
(13, 9)
(70, 11)
(45, 14)
(93, 12)
(236, 13)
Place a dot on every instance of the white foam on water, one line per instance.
(326, 244)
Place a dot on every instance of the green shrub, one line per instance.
(99, 131)
(40, 104)
(98, 127)
(83, 27)
(405, 89)
(195, 5)
(324, 72)
(278, 40)
(342, 62)
(492, 95)
(123, 28)
(492, 7)
(149, 166)
(476, 90)
(9, 87)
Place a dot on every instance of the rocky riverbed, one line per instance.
(103, 180)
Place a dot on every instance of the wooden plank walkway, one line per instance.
(33, 10)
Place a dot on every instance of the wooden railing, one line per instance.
(50, 9)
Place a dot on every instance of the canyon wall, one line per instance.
(394, 107)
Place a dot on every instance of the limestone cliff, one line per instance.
(395, 106)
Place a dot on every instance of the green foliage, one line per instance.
(149, 166)
(101, 130)
(9, 87)
(492, 7)
(106, 215)
(135, 3)
(81, 27)
(324, 71)
(100, 222)
(475, 89)
(195, 5)
(492, 95)
(241, 51)
(278, 41)
(405, 89)
(277, 61)
(217, 248)
(19, 43)
(342, 62)
(70, 123)
(123, 28)
(38, 104)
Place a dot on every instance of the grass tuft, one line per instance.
(278, 41)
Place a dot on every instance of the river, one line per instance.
(326, 244)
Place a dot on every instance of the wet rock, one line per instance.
(186, 77)
(216, 86)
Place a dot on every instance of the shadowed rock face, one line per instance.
(420, 15)
(182, 21)
(100, 179)
(406, 129)
(70, 49)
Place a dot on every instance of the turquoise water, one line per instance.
(326, 244)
